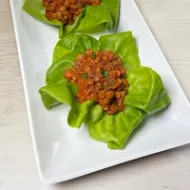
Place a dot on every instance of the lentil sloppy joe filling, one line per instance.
(100, 76)
(66, 11)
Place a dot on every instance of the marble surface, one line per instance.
(169, 21)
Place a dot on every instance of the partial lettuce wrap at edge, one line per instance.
(93, 19)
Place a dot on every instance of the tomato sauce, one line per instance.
(66, 11)
(100, 76)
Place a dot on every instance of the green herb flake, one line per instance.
(105, 73)
(93, 55)
(84, 75)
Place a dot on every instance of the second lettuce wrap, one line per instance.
(93, 19)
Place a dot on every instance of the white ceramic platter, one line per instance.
(64, 153)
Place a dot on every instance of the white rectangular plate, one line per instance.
(64, 153)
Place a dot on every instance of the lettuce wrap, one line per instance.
(146, 91)
(93, 19)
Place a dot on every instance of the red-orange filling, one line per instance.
(101, 77)
(66, 11)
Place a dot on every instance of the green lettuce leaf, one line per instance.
(77, 43)
(92, 19)
(79, 113)
(115, 129)
(114, 8)
(124, 45)
(55, 72)
(92, 16)
(63, 92)
(146, 91)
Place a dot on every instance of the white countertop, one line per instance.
(169, 20)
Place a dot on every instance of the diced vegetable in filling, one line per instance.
(101, 77)
(66, 11)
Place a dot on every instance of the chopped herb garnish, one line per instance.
(105, 73)
(102, 86)
(84, 75)
(93, 55)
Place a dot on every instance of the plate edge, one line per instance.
(25, 90)
(91, 170)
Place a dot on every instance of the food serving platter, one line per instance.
(63, 153)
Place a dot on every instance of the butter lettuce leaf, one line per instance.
(124, 45)
(63, 92)
(115, 129)
(92, 16)
(56, 71)
(146, 90)
(114, 9)
(74, 43)
(79, 113)
(92, 19)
